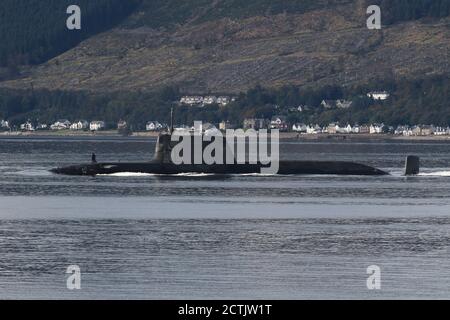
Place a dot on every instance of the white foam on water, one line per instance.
(257, 175)
(32, 172)
(128, 174)
(401, 174)
(191, 174)
(435, 174)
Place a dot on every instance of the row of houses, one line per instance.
(341, 103)
(422, 130)
(327, 104)
(206, 100)
(280, 123)
(335, 128)
(336, 104)
(155, 126)
(345, 104)
(277, 122)
(64, 124)
(83, 125)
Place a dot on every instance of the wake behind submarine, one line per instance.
(162, 165)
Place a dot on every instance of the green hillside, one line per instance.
(422, 101)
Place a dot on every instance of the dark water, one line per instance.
(194, 236)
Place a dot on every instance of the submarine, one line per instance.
(162, 164)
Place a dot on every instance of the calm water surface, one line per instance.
(202, 237)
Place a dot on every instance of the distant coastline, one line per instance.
(283, 136)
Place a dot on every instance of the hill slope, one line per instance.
(229, 46)
(33, 31)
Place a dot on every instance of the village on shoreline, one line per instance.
(287, 129)
(283, 135)
(297, 131)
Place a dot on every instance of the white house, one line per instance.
(408, 131)
(344, 130)
(343, 104)
(4, 124)
(209, 100)
(27, 126)
(378, 95)
(279, 122)
(122, 125)
(376, 128)
(97, 125)
(223, 100)
(310, 129)
(299, 127)
(441, 131)
(427, 130)
(79, 125)
(347, 129)
(62, 124)
(333, 128)
(153, 126)
(356, 129)
(191, 100)
(328, 104)
(340, 104)
(401, 130)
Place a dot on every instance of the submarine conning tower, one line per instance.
(163, 148)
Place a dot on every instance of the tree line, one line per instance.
(167, 13)
(423, 101)
(33, 31)
(404, 10)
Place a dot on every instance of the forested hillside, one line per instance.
(422, 101)
(33, 31)
(404, 10)
(158, 13)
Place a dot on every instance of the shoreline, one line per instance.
(283, 136)
(358, 137)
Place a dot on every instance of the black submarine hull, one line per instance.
(285, 168)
